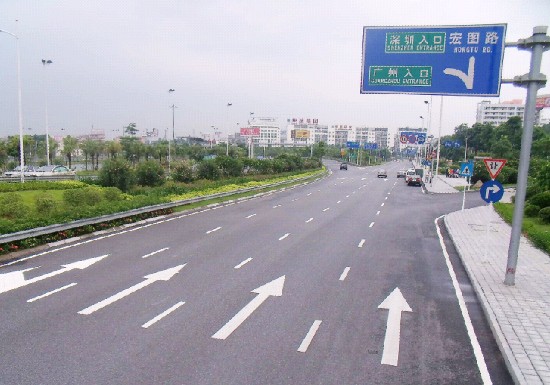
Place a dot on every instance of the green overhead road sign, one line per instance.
(400, 75)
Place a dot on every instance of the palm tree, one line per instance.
(70, 145)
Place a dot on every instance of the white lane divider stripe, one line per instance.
(344, 273)
(361, 243)
(378, 213)
(309, 220)
(309, 336)
(243, 263)
(328, 208)
(162, 315)
(250, 216)
(371, 224)
(51, 292)
(155, 252)
(211, 231)
(284, 236)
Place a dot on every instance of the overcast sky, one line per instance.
(114, 62)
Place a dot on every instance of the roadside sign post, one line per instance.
(537, 44)
(466, 170)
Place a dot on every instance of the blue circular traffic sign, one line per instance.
(492, 191)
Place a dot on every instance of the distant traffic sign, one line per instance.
(352, 144)
(494, 166)
(436, 60)
(466, 169)
(492, 191)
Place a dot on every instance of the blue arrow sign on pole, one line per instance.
(492, 191)
(434, 60)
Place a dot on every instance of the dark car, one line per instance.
(382, 173)
(343, 166)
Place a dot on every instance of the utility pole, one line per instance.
(537, 44)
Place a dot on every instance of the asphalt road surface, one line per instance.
(340, 281)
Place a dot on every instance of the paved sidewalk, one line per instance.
(519, 315)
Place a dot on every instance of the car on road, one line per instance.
(412, 178)
(16, 172)
(343, 166)
(382, 173)
(52, 170)
(401, 173)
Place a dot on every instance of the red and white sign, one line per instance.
(543, 101)
(494, 166)
(250, 131)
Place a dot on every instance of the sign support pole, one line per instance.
(537, 44)
(439, 134)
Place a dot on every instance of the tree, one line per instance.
(150, 173)
(502, 148)
(70, 145)
(117, 173)
(113, 148)
(131, 129)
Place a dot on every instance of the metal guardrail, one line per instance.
(55, 178)
(6, 238)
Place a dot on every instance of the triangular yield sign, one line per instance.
(494, 166)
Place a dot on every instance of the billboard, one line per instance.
(434, 60)
(543, 101)
(299, 134)
(250, 131)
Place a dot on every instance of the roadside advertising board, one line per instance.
(250, 131)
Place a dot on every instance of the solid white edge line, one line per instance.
(309, 336)
(162, 315)
(243, 263)
(51, 292)
(478, 353)
(344, 273)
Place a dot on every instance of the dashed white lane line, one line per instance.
(386, 198)
(309, 220)
(361, 243)
(309, 194)
(309, 336)
(243, 263)
(378, 213)
(338, 202)
(155, 252)
(328, 208)
(51, 292)
(162, 315)
(371, 224)
(276, 206)
(382, 205)
(344, 273)
(213, 230)
(250, 216)
(347, 196)
(284, 236)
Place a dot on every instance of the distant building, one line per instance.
(499, 113)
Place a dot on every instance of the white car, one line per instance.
(16, 172)
(52, 171)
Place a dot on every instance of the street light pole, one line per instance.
(44, 64)
(21, 152)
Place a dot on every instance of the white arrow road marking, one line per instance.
(284, 236)
(243, 263)
(211, 231)
(468, 78)
(309, 336)
(163, 275)
(162, 315)
(344, 273)
(16, 279)
(395, 303)
(493, 189)
(51, 292)
(273, 288)
(155, 252)
(361, 243)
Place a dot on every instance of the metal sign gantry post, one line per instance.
(537, 44)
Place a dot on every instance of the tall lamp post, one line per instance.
(173, 107)
(21, 152)
(422, 131)
(44, 64)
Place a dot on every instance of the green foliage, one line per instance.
(150, 173)
(89, 196)
(183, 172)
(46, 204)
(542, 199)
(230, 167)
(40, 185)
(112, 194)
(12, 206)
(531, 210)
(544, 215)
(208, 170)
(117, 173)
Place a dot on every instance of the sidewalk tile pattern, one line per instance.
(519, 315)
